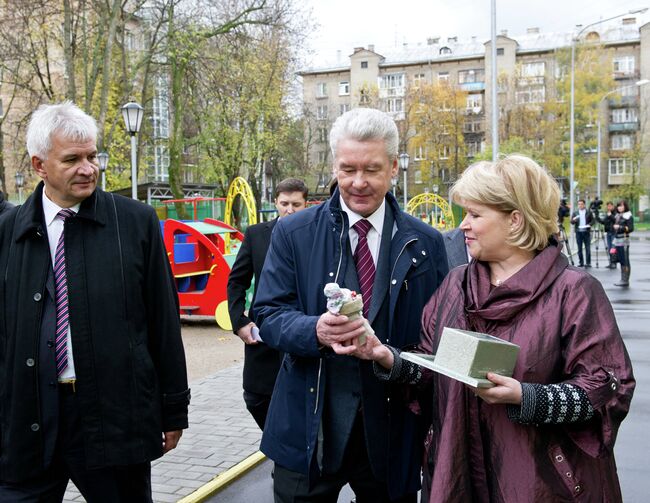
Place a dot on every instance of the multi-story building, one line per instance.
(532, 65)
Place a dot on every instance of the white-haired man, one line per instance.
(331, 421)
(93, 375)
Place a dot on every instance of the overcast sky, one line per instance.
(345, 24)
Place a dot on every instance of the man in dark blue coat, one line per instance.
(331, 421)
(261, 363)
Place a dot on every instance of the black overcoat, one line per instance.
(128, 352)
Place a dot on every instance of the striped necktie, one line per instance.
(61, 289)
(365, 264)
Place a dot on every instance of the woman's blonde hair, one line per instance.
(514, 183)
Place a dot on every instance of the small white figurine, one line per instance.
(344, 301)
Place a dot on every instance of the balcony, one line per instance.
(627, 75)
(623, 101)
(618, 127)
(472, 86)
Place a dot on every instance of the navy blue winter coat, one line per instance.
(307, 251)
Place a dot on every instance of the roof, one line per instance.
(475, 47)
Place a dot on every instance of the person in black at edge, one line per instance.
(608, 220)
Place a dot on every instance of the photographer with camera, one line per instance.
(582, 220)
(608, 220)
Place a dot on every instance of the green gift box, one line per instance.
(468, 357)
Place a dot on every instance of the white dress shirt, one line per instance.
(54, 228)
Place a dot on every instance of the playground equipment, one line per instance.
(201, 254)
(440, 216)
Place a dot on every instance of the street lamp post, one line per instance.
(20, 183)
(574, 40)
(598, 147)
(102, 158)
(404, 166)
(132, 113)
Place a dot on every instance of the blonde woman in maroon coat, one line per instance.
(547, 433)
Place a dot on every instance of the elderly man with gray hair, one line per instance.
(331, 421)
(93, 384)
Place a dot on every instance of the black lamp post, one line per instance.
(20, 183)
(132, 114)
(102, 157)
(404, 166)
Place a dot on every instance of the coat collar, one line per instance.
(30, 215)
(404, 227)
(529, 283)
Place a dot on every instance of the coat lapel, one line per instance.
(382, 276)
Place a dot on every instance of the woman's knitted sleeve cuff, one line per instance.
(403, 371)
(551, 404)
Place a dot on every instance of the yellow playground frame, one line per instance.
(441, 217)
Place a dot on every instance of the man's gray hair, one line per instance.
(365, 124)
(66, 119)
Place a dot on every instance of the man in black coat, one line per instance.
(93, 384)
(261, 363)
(582, 220)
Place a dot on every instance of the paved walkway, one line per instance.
(221, 434)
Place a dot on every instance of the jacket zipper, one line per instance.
(336, 280)
(397, 260)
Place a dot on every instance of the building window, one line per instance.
(473, 148)
(321, 90)
(622, 166)
(161, 163)
(321, 133)
(417, 176)
(321, 112)
(344, 88)
(392, 83)
(621, 115)
(622, 142)
(470, 76)
(474, 103)
(160, 107)
(532, 69)
(444, 152)
(624, 65)
(394, 105)
(419, 153)
(443, 76)
(344, 107)
(322, 157)
(530, 95)
(628, 91)
(500, 51)
(445, 51)
(418, 80)
(364, 64)
(473, 127)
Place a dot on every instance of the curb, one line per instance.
(223, 479)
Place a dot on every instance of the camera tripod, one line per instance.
(597, 231)
(565, 239)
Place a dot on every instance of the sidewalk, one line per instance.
(221, 434)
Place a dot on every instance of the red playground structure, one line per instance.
(201, 254)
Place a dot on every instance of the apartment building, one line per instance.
(530, 62)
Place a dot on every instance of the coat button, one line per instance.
(569, 475)
(37, 296)
(577, 489)
(311, 390)
(415, 261)
(29, 362)
(331, 274)
(50, 343)
(559, 458)
(613, 385)
(393, 282)
(35, 427)
(424, 252)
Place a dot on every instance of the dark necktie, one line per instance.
(364, 263)
(61, 288)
